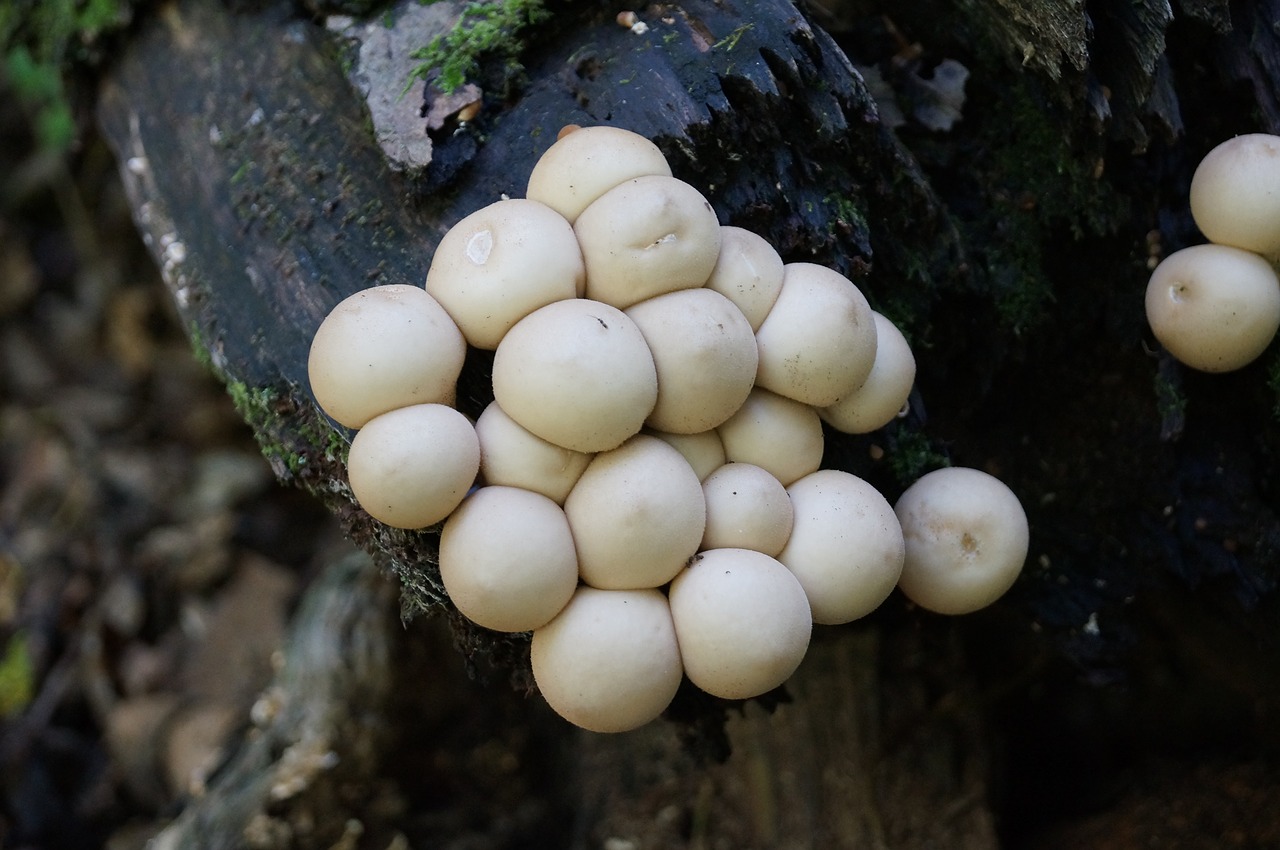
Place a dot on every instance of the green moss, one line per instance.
(254, 404)
(485, 30)
(847, 212)
(1038, 186)
(911, 454)
(288, 445)
(1171, 401)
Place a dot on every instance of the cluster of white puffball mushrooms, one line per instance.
(644, 492)
(1216, 307)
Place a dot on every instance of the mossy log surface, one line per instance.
(1013, 248)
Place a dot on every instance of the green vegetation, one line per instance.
(1171, 401)
(38, 40)
(17, 678)
(1041, 188)
(731, 40)
(287, 450)
(911, 454)
(486, 30)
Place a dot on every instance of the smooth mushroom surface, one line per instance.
(410, 467)
(742, 622)
(966, 540)
(1235, 194)
(576, 373)
(747, 508)
(609, 661)
(704, 451)
(507, 559)
(512, 456)
(382, 348)
(883, 395)
(1213, 307)
(748, 272)
(637, 515)
(646, 237)
(846, 546)
(584, 164)
(818, 343)
(501, 263)
(705, 354)
(779, 434)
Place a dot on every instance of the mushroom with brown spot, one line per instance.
(966, 540)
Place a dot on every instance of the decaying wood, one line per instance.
(319, 729)
(1014, 249)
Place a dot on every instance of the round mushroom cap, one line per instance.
(704, 451)
(609, 661)
(583, 165)
(747, 508)
(1215, 308)
(383, 348)
(884, 393)
(507, 559)
(705, 354)
(637, 515)
(742, 622)
(818, 343)
(1235, 193)
(411, 467)
(501, 263)
(646, 237)
(781, 435)
(846, 546)
(966, 536)
(748, 272)
(576, 373)
(510, 455)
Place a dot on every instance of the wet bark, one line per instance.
(1013, 250)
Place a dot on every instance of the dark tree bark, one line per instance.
(1013, 248)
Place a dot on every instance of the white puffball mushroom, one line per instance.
(383, 348)
(846, 546)
(742, 622)
(637, 515)
(512, 456)
(705, 354)
(779, 434)
(883, 394)
(576, 373)
(608, 662)
(410, 467)
(818, 343)
(747, 508)
(584, 164)
(1213, 307)
(501, 263)
(704, 451)
(1235, 194)
(966, 536)
(507, 559)
(646, 237)
(748, 272)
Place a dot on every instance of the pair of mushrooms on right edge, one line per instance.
(1216, 307)
(649, 501)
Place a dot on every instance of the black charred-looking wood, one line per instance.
(1016, 246)
(249, 152)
